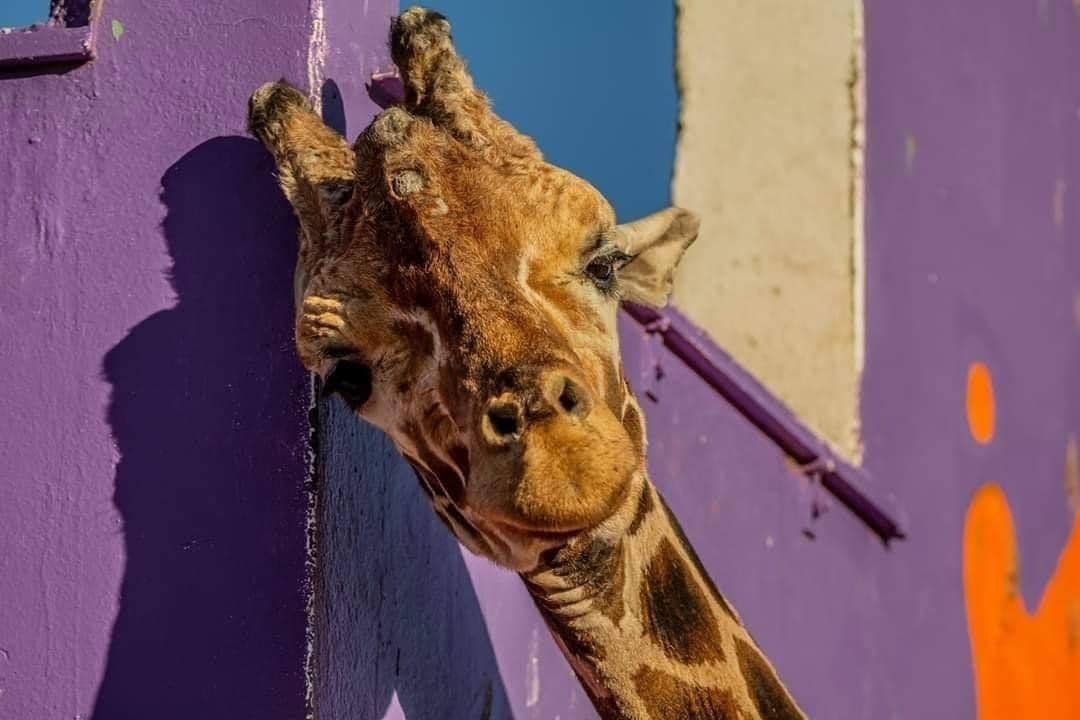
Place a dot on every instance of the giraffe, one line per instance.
(460, 293)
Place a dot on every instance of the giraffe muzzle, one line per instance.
(556, 397)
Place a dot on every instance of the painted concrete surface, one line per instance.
(972, 170)
(153, 417)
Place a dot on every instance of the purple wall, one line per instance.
(972, 217)
(153, 424)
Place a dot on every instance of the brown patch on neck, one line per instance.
(705, 578)
(599, 567)
(633, 423)
(644, 509)
(768, 695)
(666, 696)
(676, 612)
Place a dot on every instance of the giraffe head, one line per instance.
(461, 293)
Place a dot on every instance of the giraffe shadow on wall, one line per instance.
(395, 610)
(207, 413)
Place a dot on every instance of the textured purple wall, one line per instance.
(153, 418)
(972, 219)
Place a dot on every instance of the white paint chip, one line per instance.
(316, 59)
(532, 671)
(1059, 203)
(394, 710)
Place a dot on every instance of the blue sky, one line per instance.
(17, 13)
(592, 82)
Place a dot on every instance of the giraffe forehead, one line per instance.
(467, 203)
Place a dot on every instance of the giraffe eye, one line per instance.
(601, 269)
(351, 380)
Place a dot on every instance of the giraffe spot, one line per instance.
(676, 610)
(980, 403)
(768, 695)
(644, 508)
(599, 567)
(706, 578)
(666, 696)
(634, 427)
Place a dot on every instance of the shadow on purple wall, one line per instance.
(395, 609)
(207, 412)
(333, 108)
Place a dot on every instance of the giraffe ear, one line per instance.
(655, 244)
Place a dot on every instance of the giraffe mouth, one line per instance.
(546, 535)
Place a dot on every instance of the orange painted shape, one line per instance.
(980, 403)
(1027, 665)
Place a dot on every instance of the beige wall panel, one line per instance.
(770, 155)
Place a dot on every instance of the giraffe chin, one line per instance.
(564, 478)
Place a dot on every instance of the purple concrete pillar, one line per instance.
(153, 430)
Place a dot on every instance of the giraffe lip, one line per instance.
(548, 534)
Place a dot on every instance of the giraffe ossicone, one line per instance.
(461, 293)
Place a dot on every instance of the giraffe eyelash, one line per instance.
(602, 269)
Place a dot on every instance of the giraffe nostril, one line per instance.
(572, 398)
(504, 420)
(568, 398)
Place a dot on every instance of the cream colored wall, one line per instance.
(770, 155)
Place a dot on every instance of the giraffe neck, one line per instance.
(645, 629)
